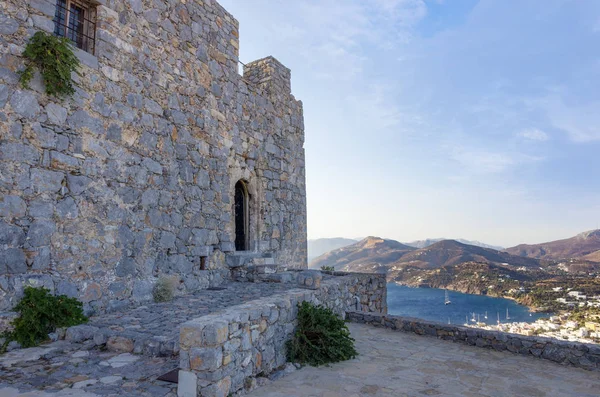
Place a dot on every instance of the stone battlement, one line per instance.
(139, 174)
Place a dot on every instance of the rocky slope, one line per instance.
(585, 245)
(377, 254)
(431, 241)
(320, 246)
(372, 254)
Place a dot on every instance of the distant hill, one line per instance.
(318, 247)
(452, 252)
(368, 255)
(594, 256)
(585, 244)
(381, 255)
(430, 241)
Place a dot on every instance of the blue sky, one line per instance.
(441, 118)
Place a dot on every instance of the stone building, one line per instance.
(166, 161)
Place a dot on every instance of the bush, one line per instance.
(321, 337)
(40, 313)
(54, 58)
(163, 290)
(328, 268)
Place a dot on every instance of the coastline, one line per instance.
(531, 308)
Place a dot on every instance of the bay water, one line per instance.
(428, 304)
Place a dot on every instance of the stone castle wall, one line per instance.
(134, 176)
(581, 355)
(221, 354)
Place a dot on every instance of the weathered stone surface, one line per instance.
(12, 207)
(8, 25)
(80, 333)
(56, 114)
(119, 344)
(160, 129)
(24, 103)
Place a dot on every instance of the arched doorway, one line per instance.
(241, 216)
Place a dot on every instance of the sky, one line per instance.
(476, 119)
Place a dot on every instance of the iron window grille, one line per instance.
(76, 20)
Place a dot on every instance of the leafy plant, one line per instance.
(328, 268)
(321, 337)
(41, 313)
(54, 58)
(163, 290)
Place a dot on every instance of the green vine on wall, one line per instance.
(54, 58)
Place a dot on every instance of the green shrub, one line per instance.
(40, 313)
(328, 268)
(163, 290)
(54, 58)
(321, 337)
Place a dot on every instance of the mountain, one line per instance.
(380, 255)
(369, 254)
(318, 247)
(452, 252)
(594, 256)
(430, 241)
(585, 245)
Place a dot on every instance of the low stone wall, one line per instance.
(223, 353)
(581, 355)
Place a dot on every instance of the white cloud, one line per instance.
(534, 134)
(581, 121)
(484, 161)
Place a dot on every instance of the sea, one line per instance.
(428, 304)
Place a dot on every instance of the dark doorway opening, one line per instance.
(241, 216)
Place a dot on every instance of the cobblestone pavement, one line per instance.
(64, 368)
(398, 364)
(68, 369)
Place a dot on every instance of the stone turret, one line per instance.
(270, 75)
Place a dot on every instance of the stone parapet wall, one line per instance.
(581, 355)
(223, 353)
(133, 177)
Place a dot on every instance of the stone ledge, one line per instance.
(582, 355)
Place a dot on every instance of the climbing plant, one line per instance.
(41, 313)
(321, 337)
(54, 58)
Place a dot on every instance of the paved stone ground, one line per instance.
(65, 368)
(398, 364)
(154, 328)
(68, 369)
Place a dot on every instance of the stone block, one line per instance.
(46, 181)
(187, 385)
(24, 103)
(80, 333)
(12, 207)
(56, 114)
(119, 344)
(12, 261)
(206, 358)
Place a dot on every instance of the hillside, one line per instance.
(585, 244)
(431, 241)
(451, 252)
(377, 254)
(320, 246)
(368, 255)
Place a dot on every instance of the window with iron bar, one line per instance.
(76, 20)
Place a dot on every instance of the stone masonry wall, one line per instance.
(222, 353)
(567, 353)
(134, 176)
